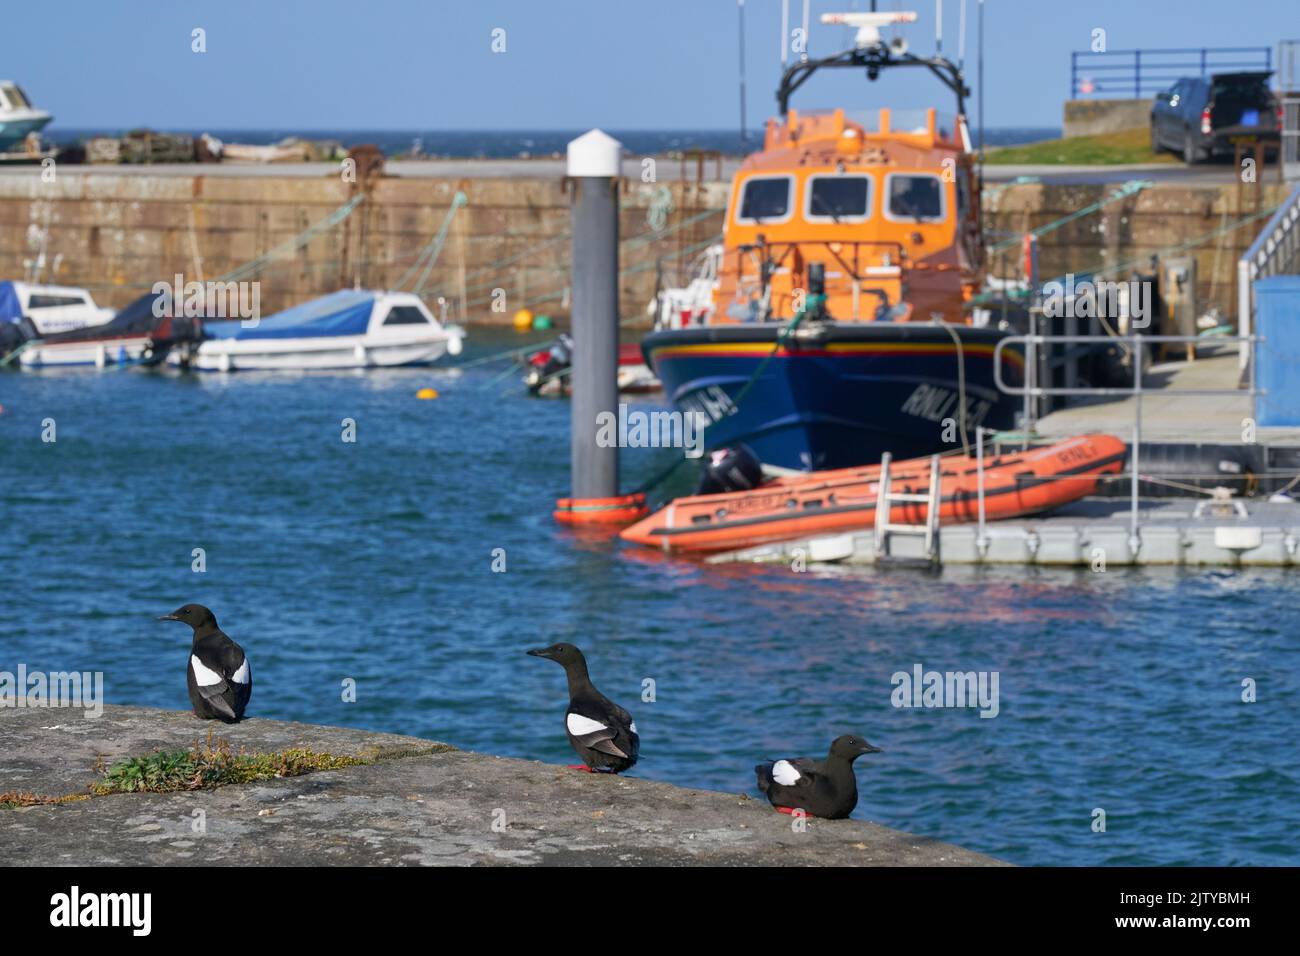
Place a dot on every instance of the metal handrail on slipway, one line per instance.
(1125, 72)
(1135, 342)
(1275, 251)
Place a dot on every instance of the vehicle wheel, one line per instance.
(1191, 155)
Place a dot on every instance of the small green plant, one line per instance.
(214, 764)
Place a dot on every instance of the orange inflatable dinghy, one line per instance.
(833, 501)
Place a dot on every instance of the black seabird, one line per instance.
(603, 733)
(820, 788)
(219, 677)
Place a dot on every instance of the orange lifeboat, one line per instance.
(834, 501)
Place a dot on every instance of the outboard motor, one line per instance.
(731, 469)
(546, 364)
(14, 334)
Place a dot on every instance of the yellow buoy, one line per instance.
(523, 320)
(427, 393)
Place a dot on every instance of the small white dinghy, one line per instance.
(354, 328)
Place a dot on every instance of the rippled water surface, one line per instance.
(327, 560)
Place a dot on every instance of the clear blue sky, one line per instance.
(427, 64)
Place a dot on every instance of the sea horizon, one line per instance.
(502, 144)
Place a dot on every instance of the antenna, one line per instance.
(805, 29)
(868, 25)
(785, 32)
(980, 70)
(961, 37)
(740, 8)
(938, 27)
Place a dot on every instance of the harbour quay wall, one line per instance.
(1206, 219)
(118, 230)
(413, 802)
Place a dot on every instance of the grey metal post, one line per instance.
(1134, 541)
(594, 164)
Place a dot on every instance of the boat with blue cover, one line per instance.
(852, 246)
(352, 328)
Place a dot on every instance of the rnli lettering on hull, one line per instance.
(934, 404)
(711, 401)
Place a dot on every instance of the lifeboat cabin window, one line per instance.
(405, 315)
(765, 199)
(914, 197)
(838, 198)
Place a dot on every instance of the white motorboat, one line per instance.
(142, 333)
(18, 117)
(354, 328)
(52, 308)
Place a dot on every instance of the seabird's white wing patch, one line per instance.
(580, 726)
(785, 774)
(241, 675)
(632, 727)
(203, 676)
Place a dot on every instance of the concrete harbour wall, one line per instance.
(416, 802)
(117, 234)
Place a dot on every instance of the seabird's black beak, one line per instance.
(539, 652)
(868, 749)
(168, 617)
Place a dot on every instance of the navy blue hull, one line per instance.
(836, 395)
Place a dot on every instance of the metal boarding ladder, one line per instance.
(886, 497)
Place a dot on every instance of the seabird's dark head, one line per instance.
(850, 748)
(567, 655)
(195, 615)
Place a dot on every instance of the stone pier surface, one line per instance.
(417, 803)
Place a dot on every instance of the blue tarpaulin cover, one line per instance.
(339, 313)
(11, 309)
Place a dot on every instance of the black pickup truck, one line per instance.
(1200, 116)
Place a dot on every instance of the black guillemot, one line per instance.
(219, 677)
(820, 788)
(603, 733)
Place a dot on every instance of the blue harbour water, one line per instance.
(373, 561)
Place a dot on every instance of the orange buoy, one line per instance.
(621, 509)
(427, 393)
(523, 320)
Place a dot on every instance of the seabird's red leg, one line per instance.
(580, 766)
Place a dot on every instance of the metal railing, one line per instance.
(1275, 251)
(1136, 342)
(1142, 73)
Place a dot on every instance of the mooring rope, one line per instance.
(429, 254)
(961, 384)
(781, 337)
(255, 264)
(1130, 188)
